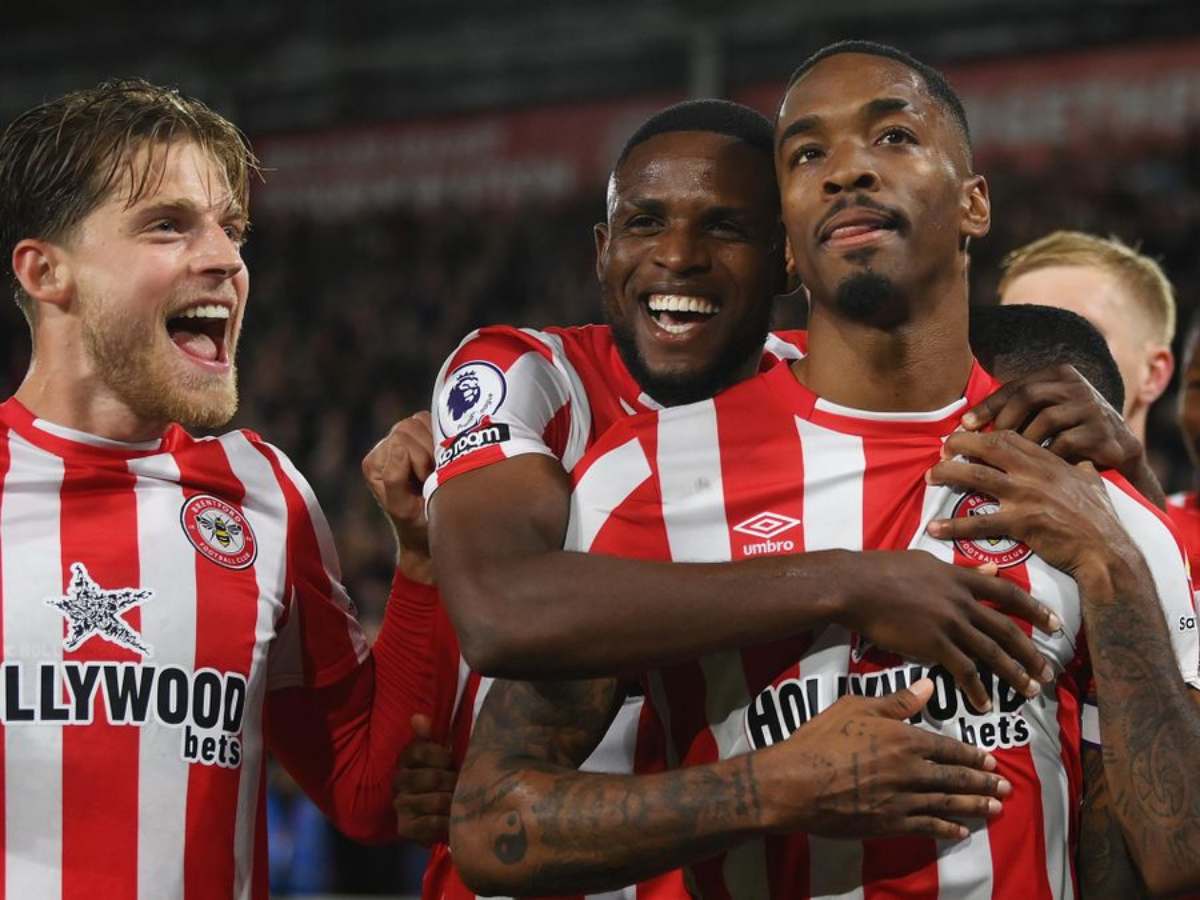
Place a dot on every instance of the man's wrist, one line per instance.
(415, 566)
(1112, 574)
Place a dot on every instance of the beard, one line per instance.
(869, 298)
(675, 387)
(133, 357)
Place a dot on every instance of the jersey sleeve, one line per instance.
(503, 393)
(1162, 549)
(318, 639)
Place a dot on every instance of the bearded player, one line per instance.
(879, 202)
(170, 607)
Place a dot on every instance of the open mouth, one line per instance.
(680, 314)
(200, 332)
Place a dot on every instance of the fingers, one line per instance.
(1011, 664)
(930, 826)
(969, 528)
(423, 830)
(905, 702)
(1015, 403)
(968, 476)
(426, 755)
(413, 781)
(1009, 598)
(422, 726)
(1004, 450)
(966, 674)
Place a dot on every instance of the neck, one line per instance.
(920, 364)
(81, 401)
(1135, 421)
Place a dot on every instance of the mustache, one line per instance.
(861, 201)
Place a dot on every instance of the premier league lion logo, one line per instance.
(464, 394)
(469, 394)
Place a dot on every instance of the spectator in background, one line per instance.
(1184, 507)
(1122, 292)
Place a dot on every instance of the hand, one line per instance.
(920, 607)
(423, 787)
(395, 470)
(1060, 405)
(875, 775)
(1061, 511)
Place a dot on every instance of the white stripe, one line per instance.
(581, 409)
(329, 556)
(604, 487)
(834, 464)
(266, 509)
(31, 549)
(964, 867)
(1166, 563)
(870, 415)
(1091, 724)
(693, 505)
(168, 566)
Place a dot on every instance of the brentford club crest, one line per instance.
(219, 531)
(1003, 551)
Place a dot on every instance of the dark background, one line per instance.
(436, 166)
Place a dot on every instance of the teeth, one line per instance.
(677, 327)
(211, 311)
(682, 303)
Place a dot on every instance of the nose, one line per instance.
(681, 251)
(217, 254)
(849, 169)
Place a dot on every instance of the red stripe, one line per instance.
(1017, 837)
(226, 615)
(5, 461)
(261, 871)
(893, 493)
(99, 528)
(1070, 737)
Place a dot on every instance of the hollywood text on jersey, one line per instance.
(783, 707)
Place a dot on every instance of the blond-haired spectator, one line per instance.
(1119, 290)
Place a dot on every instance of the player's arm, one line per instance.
(523, 607)
(1129, 571)
(1105, 865)
(339, 723)
(1061, 406)
(526, 821)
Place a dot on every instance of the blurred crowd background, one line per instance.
(434, 167)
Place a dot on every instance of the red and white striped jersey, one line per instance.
(1184, 511)
(151, 596)
(768, 468)
(509, 391)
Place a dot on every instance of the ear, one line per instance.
(600, 233)
(976, 210)
(42, 271)
(1160, 364)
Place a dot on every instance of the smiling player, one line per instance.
(170, 607)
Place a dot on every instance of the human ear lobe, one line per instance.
(976, 219)
(600, 233)
(43, 271)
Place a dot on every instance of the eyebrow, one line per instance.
(232, 209)
(872, 109)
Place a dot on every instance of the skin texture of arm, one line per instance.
(1149, 718)
(525, 608)
(525, 821)
(1105, 868)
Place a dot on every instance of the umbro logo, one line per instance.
(767, 526)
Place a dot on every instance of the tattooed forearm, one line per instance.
(524, 820)
(1106, 871)
(1150, 726)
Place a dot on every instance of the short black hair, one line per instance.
(716, 116)
(1017, 340)
(935, 82)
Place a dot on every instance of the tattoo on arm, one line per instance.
(1106, 869)
(525, 820)
(1151, 731)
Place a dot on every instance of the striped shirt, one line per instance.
(152, 596)
(506, 392)
(768, 468)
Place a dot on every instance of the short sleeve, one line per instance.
(503, 393)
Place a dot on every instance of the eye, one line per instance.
(897, 135)
(803, 154)
(165, 226)
(236, 234)
(641, 223)
(727, 228)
